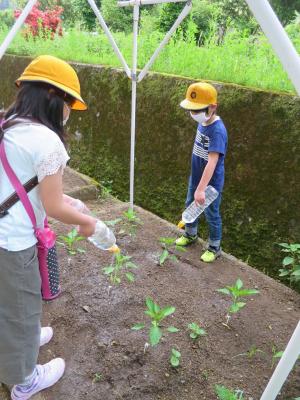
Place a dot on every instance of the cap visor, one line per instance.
(78, 104)
(188, 105)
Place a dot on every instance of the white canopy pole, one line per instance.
(136, 16)
(146, 2)
(181, 17)
(17, 25)
(110, 37)
(284, 367)
(278, 38)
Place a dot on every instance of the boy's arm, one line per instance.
(208, 172)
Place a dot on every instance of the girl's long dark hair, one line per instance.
(41, 102)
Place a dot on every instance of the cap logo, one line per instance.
(193, 95)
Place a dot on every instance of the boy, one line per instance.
(207, 165)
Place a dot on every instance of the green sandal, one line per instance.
(186, 240)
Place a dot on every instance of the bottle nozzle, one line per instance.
(181, 224)
(114, 249)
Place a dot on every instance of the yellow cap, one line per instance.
(199, 95)
(56, 72)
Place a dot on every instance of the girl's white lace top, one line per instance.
(32, 150)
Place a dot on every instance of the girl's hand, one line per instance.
(87, 229)
(199, 197)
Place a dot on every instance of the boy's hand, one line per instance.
(199, 197)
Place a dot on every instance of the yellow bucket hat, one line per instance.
(199, 95)
(56, 72)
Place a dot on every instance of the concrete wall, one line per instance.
(262, 190)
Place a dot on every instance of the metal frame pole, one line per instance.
(284, 367)
(278, 38)
(184, 13)
(110, 37)
(17, 25)
(136, 16)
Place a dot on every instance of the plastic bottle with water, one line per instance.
(193, 211)
(103, 238)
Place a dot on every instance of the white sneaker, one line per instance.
(47, 375)
(46, 335)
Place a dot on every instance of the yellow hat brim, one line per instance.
(78, 104)
(189, 105)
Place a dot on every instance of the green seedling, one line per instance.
(130, 222)
(251, 353)
(167, 243)
(175, 358)
(70, 240)
(276, 355)
(196, 331)
(113, 222)
(97, 378)
(157, 315)
(224, 393)
(121, 265)
(290, 263)
(236, 292)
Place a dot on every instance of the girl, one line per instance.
(34, 143)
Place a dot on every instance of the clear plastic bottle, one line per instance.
(103, 238)
(193, 211)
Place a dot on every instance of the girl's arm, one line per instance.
(51, 193)
(206, 177)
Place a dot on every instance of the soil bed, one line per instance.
(105, 358)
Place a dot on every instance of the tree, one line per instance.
(202, 14)
(118, 18)
(285, 9)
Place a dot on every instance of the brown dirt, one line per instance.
(100, 341)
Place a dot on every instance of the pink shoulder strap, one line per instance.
(17, 185)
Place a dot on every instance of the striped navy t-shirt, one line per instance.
(211, 138)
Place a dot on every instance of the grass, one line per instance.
(248, 61)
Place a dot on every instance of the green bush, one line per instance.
(6, 19)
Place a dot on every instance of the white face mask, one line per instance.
(68, 115)
(200, 117)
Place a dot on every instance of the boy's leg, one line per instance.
(214, 220)
(191, 230)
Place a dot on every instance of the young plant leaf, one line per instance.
(287, 261)
(164, 255)
(155, 335)
(138, 327)
(166, 311)
(175, 358)
(172, 329)
(239, 284)
(224, 291)
(108, 270)
(130, 277)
